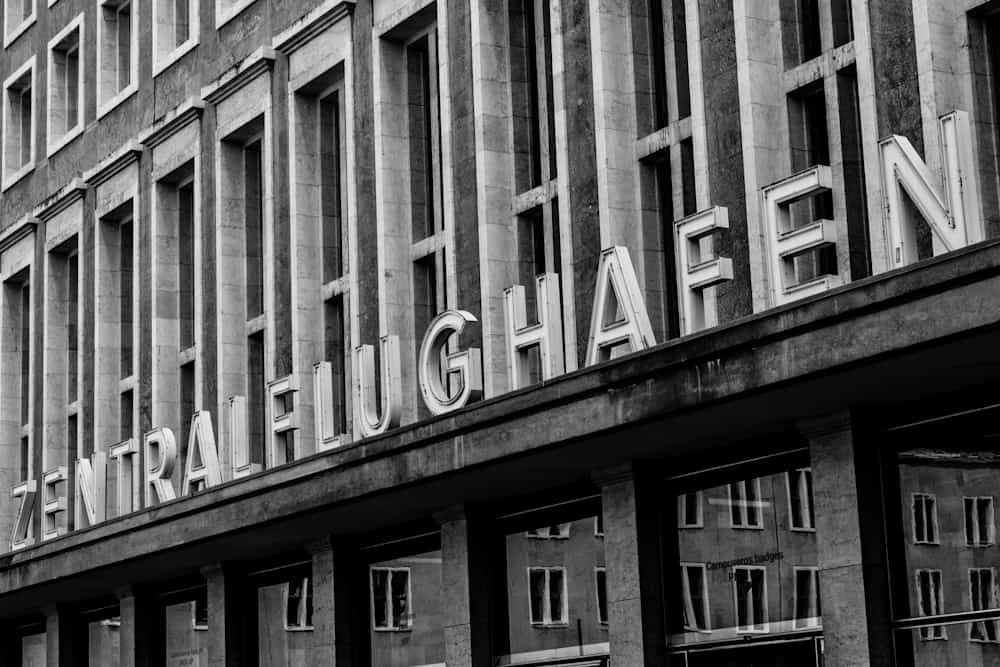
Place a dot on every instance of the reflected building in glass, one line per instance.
(499, 333)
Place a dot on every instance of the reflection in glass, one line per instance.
(284, 622)
(746, 566)
(33, 652)
(556, 589)
(103, 642)
(406, 619)
(186, 632)
(944, 538)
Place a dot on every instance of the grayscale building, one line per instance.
(499, 333)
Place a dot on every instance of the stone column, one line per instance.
(136, 633)
(633, 561)
(62, 648)
(464, 600)
(852, 575)
(232, 618)
(340, 604)
(324, 633)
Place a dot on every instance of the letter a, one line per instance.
(202, 469)
(629, 322)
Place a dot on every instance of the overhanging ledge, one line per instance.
(681, 394)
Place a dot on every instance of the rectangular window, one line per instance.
(117, 48)
(18, 15)
(125, 295)
(173, 32)
(694, 592)
(390, 589)
(24, 348)
(199, 613)
(750, 594)
(924, 519)
(18, 129)
(800, 499)
(599, 525)
(65, 85)
(547, 594)
(689, 511)
(807, 604)
(559, 531)
(929, 598)
(979, 522)
(72, 326)
(601, 584)
(744, 504)
(299, 604)
(810, 45)
(983, 598)
(532, 92)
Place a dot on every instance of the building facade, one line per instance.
(409, 333)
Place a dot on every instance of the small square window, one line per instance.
(117, 53)
(19, 126)
(65, 119)
(689, 510)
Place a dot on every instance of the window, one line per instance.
(695, 597)
(175, 31)
(800, 499)
(65, 85)
(18, 17)
(601, 582)
(199, 611)
(929, 600)
(599, 525)
(391, 598)
(117, 53)
(547, 596)
(17, 347)
(558, 531)
(744, 504)
(983, 598)
(18, 124)
(924, 519)
(750, 593)
(226, 10)
(979, 523)
(299, 604)
(689, 512)
(807, 605)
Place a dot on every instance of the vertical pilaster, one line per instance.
(63, 646)
(232, 618)
(632, 554)
(464, 600)
(136, 633)
(324, 634)
(852, 575)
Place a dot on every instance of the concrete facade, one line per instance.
(209, 208)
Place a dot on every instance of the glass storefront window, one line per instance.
(186, 628)
(406, 623)
(103, 636)
(745, 566)
(285, 618)
(943, 480)
(33, 649)
(556, 586)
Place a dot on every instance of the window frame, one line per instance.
(759, 505)
(302, 609)
(10, 34)
(810, 622)
(12, 178)
(931, 632)
(372, 569)
(807, 511)
(562, 532)
(52, 147)
(682, 510)
(766, 624)
(689, 602)
(224, 15)
(106, 106)
(933, 520)
(601, 622)
(991, 537)
(546, 620)
(163, 62)
(978, 572)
